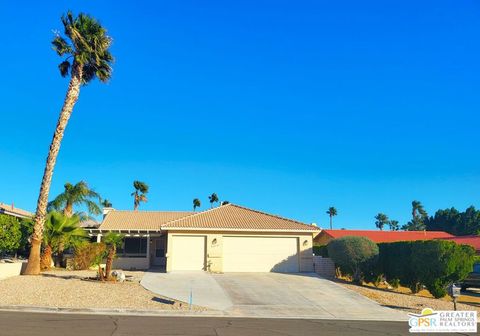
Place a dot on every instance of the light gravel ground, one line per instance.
(407, 302)
(65, 289)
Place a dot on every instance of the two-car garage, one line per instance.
(237, 253)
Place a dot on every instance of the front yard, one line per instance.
(402, 299)
(67, 289)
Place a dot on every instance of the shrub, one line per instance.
(440, 263)
(320, 250)
(395, 283)
(356, 256)
(87, 255)
(432, 263)
(10, 234)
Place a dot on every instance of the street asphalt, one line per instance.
(43, 324)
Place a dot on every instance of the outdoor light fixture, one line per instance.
(305, 242)
(214, 241)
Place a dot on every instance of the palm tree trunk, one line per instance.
(108, 266)
(33, 266)
(46, 258)
(331, 220)
(68, 211)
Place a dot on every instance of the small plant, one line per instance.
(395, 283)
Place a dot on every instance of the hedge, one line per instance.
(432, 263)
(320, 250)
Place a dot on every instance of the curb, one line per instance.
(169, 313)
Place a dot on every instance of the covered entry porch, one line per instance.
(140, 250)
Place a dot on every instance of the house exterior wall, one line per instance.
(131, 263)
(214, 247)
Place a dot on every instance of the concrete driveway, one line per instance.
(302, 295)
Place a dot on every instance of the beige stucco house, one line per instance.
(229, 238)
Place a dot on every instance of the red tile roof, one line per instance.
(473, 241)
(388, 236)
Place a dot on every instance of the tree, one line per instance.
(106, 203)
(455, 222)
(10, 234)
(381, 221)
(112, 241)
(61, 232)
(213, 198)
(196, 204)
(394, 225)
(331, 212)
(355, 256)
(86, 45)
(139, 195)
(78, 194)
(418, 217)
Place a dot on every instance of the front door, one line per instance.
(158, 249)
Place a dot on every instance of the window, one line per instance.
(134, 247)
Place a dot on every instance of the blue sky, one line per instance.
(287, 107)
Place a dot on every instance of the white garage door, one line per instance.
(260, 254)
(188, 253)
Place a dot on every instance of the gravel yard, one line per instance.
(407, 302)
(65, 289)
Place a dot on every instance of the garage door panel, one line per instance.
(188, 253)
(260, 254)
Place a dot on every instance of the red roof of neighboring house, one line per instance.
(467, 240)
(389, 236)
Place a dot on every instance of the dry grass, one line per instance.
(401, 298)
(66, 289)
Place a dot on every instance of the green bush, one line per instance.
(10, 234)
(356, 256)
(320, 250)
(432, 263)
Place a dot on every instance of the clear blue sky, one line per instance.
(287, 107)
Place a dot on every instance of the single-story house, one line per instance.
(229, 238)
(11, 210)
(473, 241)
(380, 236)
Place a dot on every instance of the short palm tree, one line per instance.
(381, 220)
(86, 47)
(331, 212)
(78, 194)
(418, 210)
(213, 198)
(196, 204)
(106, 203)
(112, 241)
(139, 195)
(61, 232)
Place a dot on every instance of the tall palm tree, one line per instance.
(78, 194)
(61, 232)
(381, 221)
(394, 225)
(86, 47)
(106, 203)
(331, 212)
(418, 210)
(139, 195)
(213, 198)
(196, 204)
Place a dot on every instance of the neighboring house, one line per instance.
(229, 238)
(89, 224)
(380, 236)
(10, 210)
(473, 241)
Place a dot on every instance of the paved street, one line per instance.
(40, 324)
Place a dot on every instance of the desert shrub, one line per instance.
(320, 250)
(10, 234)
(355, 256)
(395, 283)
(87, 255)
